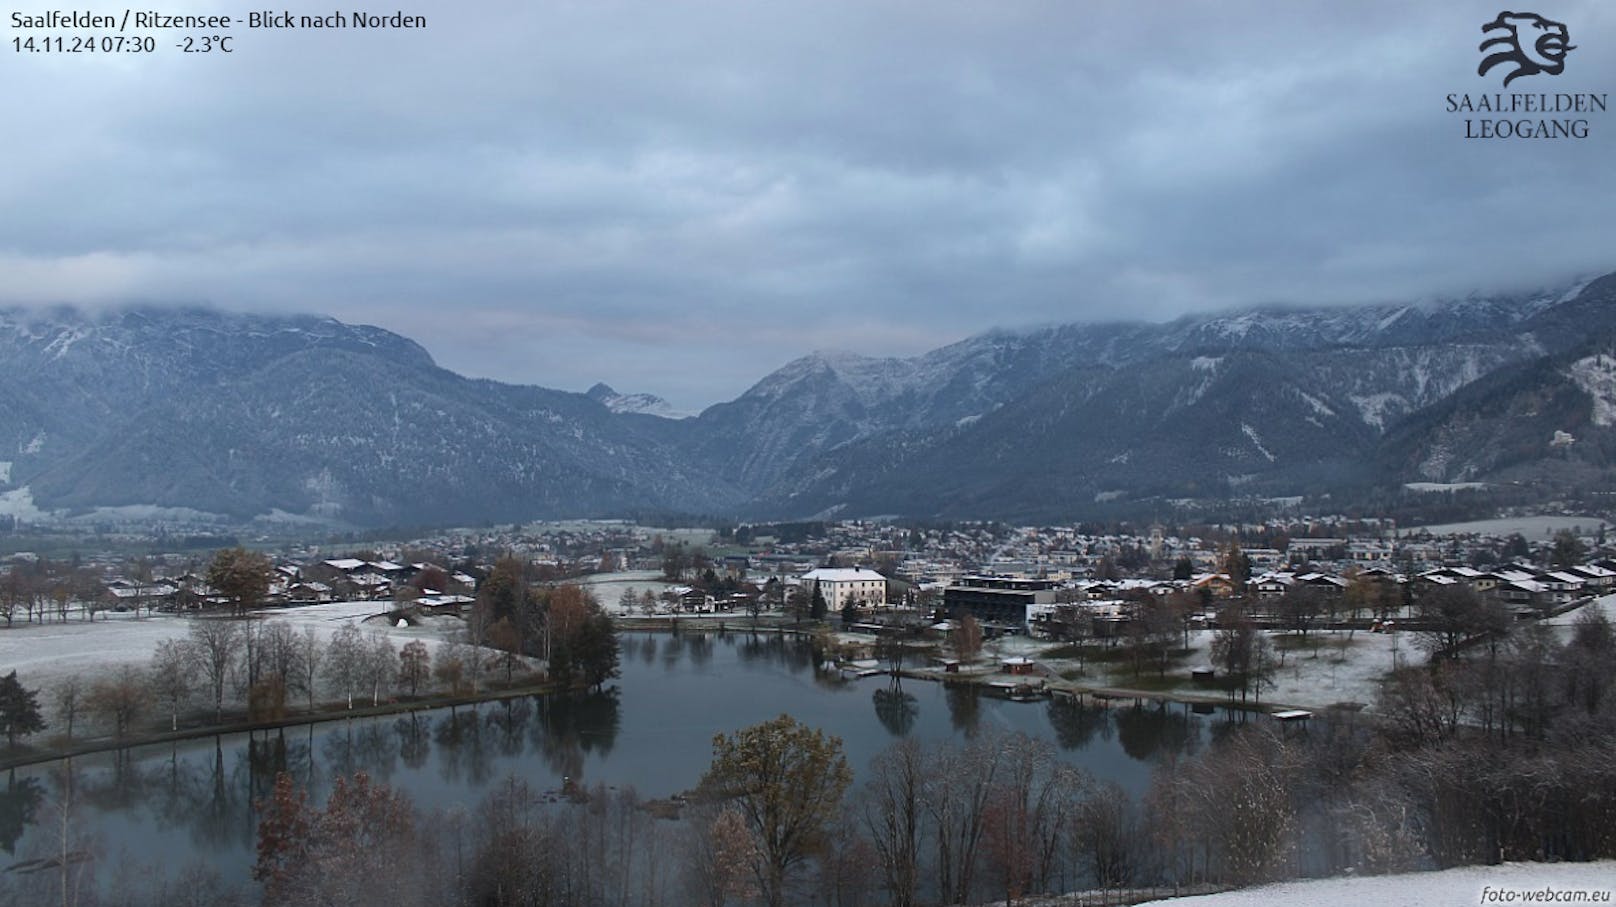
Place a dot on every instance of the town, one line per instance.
(1050, 599)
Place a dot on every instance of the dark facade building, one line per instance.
(998, 601)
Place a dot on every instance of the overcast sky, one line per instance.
(680, 197)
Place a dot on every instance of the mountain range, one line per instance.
(166, 412)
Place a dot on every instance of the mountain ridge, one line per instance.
(245, 414)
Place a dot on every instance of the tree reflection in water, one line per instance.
(1076, 724)
(207, 796)
(700, 646)
(376, 748)
(895, 709)
(794, 653)
(462, 751)
(414, 740)
(573, 725)
(1145, 732)
(964, 707)
(673, 649)
(509, 719)
(19, 804)
(274, 753)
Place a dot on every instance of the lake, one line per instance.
(166, 803)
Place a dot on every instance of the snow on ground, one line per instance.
(42, 654)
(1565, 624)
(19, 502)
(1346, 668)
(1529, 527)
(608, 587)
(1515, 883)
(1605, 605)
(1596, 375)
(1443, 486)
(1352, 673)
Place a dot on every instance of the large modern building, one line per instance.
(840, 585)
(1000, 601)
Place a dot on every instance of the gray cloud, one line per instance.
(677, 198)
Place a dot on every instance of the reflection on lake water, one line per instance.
(653, 731)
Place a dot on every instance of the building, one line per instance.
(998, 600)
(840, 585)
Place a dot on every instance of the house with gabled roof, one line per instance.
(840, 585)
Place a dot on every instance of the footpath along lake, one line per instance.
(169, 803)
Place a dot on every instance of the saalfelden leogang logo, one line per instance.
(1517, 46)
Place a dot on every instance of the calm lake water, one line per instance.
(654, 731)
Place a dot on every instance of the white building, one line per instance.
(840, 585)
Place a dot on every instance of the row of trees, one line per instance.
(771, 822)
(265, 666)
(43, 589)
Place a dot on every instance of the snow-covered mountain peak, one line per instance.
(645, 404)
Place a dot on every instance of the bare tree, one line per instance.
(966, 638)
(67, 695)
(894, 817)
(414, 666)
(1246, 816)
(474, 662)
(1027, 813)
(171, 677)
(1242, 651)
(1300, 607)
(119, 699)
(278, 652)
(450, 669)
(959, 788)
(380, 664)
(1451, 615)
(1419, 706)
(213, 645)
(13, 593)
(345, 661)
(311, 656)
(719, 855)
(1107, 834)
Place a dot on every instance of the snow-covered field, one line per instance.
(1443, 486)
(1516, 883)
(1345, 669)
(42, 654)
(1529, 527)
(1349, 674)
(608, 587)
(1340, 668)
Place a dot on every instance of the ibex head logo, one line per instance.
(1529, 41)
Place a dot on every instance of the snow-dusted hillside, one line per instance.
(245, 415)
(174, 410)
(830, 428)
